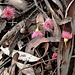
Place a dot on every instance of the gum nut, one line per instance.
(22, 30)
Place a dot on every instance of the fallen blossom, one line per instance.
(66, 35)
(54, 56)
(8, 12)
(48, 24)
(37, 33)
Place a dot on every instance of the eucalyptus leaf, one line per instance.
(19, 4)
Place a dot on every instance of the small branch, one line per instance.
(54, 71)
(37, 64)
(73, 56)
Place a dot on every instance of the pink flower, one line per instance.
(66, 34)
(48, 24)
(54, 56)
(8, 12)
(37, 33)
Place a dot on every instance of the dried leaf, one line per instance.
(19, 4)
(35, 42)
(22, 55)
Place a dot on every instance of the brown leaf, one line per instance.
(20, 4)
(36, 41)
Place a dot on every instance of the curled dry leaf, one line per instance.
(35, 42)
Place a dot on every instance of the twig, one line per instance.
(73, 56)
(4, 4)
(54, 71)
(37, 64)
